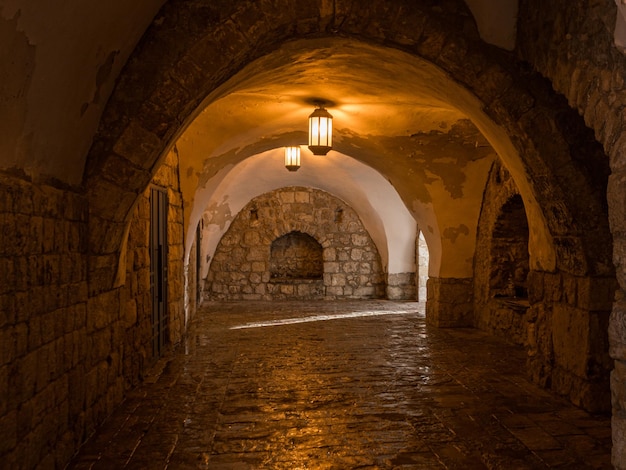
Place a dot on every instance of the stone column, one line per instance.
(617, 338)
(616, 195)
(567, 340)
(401, 286)
(450, 302)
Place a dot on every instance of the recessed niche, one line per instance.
(296, 255)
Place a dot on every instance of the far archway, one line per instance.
(289, 244)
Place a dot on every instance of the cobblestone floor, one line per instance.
(342, 385)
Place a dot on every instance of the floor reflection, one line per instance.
(342, 385)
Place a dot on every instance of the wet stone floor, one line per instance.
(342, 385)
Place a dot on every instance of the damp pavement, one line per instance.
(342, 385)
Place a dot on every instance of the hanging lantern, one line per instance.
(292, 158)
(320, 131)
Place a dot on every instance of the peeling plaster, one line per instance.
(452, 233)
(102, 77)
(218, 214)
(432, 141)
(59, 62)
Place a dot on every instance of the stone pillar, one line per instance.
(617, 338)
(616, 195)
(401, 286)
(567, 340)
(450, 302)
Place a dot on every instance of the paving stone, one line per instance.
(288, 385)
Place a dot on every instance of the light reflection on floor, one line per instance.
(377, 388)
(314, 318)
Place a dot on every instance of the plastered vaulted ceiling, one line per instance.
(59, 64)
(393, 113)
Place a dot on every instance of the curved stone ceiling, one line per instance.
(61, 62)
(392, 112)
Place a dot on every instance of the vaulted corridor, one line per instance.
(162, 157)
(342, 385)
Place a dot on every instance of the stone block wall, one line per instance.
(66, 358)
(568, 348)
(53, 349)
(580, 59)
(240, 269)
(500, 246)
(193, 291)
(422, 267)
(562, 322)
(401, 286)
(136, 316)
(449, 302)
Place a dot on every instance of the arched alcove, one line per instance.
(296, 255)
(289, 244)
(509, 252)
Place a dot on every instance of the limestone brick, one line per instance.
(449, 302)
(287, 211)
(401, 286)
(618, 388)
(570, 338)
(617, 331)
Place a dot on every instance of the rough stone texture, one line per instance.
(560, 318)
(242, 267)
(137, 312)
(558, 154)
(67, 357)
(501, 261)
(193, 287)
(578, 56)
(449, 302)
(380, 391)
(55, 353)
(568, 42)
(167, 177)
(423, 258)
(401, 286)
(567, 342)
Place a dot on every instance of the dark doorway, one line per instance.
(158, 269)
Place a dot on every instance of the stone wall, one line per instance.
(53, 351)
(561, 318)
(568, 348)
(137, 312)
(240, 269)
(577, 54)
(67, 357)
(449, 302)
(422, 267)
(193, 290)
(501, 245)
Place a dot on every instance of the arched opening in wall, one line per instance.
(422, 267)
(509, 264)
(296, 255)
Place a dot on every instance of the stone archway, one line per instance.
(537, 136)
(296, 243)
(142, 116)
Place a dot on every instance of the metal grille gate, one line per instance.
(158, 269)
